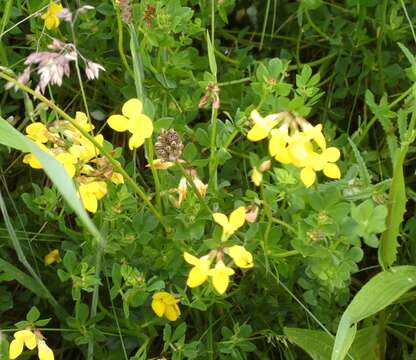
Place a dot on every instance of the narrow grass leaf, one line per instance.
(362, 168)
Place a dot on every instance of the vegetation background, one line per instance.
(333, 263)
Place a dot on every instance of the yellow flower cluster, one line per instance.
(29, 339)
(221, 273)
(165, 304)
(296, 142)
(133, 120)
(80, 158)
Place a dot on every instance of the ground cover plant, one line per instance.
(207, 179)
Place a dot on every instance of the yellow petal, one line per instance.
(256, 177)
(331, 154)
(220, 219)
(332, 171)
(32, 161)
(82, 120)
(197, 276)
(241, 257)
(141, 124)
(52, 257)
(118, 123)
(238, 217)
(308, 176)
(190, 259)
(117, 178)
(135, 141)
(132, 108)
(158, 307)
(283, 156)
(44, 351)
(257, 133)
(221, 277)
(37, 132)
(277, 144)
(316, 161)
(171, 312)
(52, 22)
(26, 336)
(15, 348)
(89, 200)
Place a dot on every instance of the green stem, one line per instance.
(266, 18)
(213, 151)
(102, 150)
(380, 37)
(150, 157)
(269, 215)
(314, 26)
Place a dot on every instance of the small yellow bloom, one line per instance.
(221, 276)
(22, 338)
(241, 257)
(44, 351)
(256, 176)
(92, 192)
(231, 224)
(32, 160)
(159, 164)
(133, 120)
(52, 257)
(82, 120)
(199, 273)
(68, 160)
(165, 304)
(278, 144)
(51, 17)
(117, 178)
(262, 126)
(200, 186)
(37, 132)
(84, 149)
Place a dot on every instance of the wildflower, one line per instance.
(22, 338)
(44, 351)
(199, 273)
(85, 150)
(52, 257)
(51, 16)
(37, 132)
(68, 160)
(82, 120)
(182, 191)
(32, 160)
(133, 120)
(211, 93)
(165, 304)
(23, 79)
(325, 162)
(221, 276)
(256, 176)
(169, 145)
(117, 178)
(160, 164)
(265, 166)
(92, 192)
(241, 257)
(200, 186)
(92, 70)
(231, 224)
(262, 126)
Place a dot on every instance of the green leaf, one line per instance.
(378, 293)
(211, 56)
(33, 314)
(387, 253)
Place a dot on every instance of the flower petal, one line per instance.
(190, 259)
(135, 141)
(118, 122)
(44, 351)
(331, 154)
(238, 217)
(132, 108)
(308, 176)
(257, 133)
(220, 219)
(158, 307)
(332, 171)
(15, 348)
(141, 124)
(171, 312)
(197, 276)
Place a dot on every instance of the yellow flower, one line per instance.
(317, 162)
(314, 133)
(68, 160)
(241, 257)
(160, 164)
(21, 338)
(231, 224)
(165, 304)
(200, 186)
(32, 160)
(199, 273)
(44, 351)
(256, 176)
(37, 132)
(278, 144)
(92, 192)
(262, 126)
(51, 16)
(221, 276)
(117, 178)
(182, 191)
(52, 257)
(82, 120)
(85, 150)
(133, 120)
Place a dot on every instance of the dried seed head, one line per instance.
(126, 11)
(169, 145)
